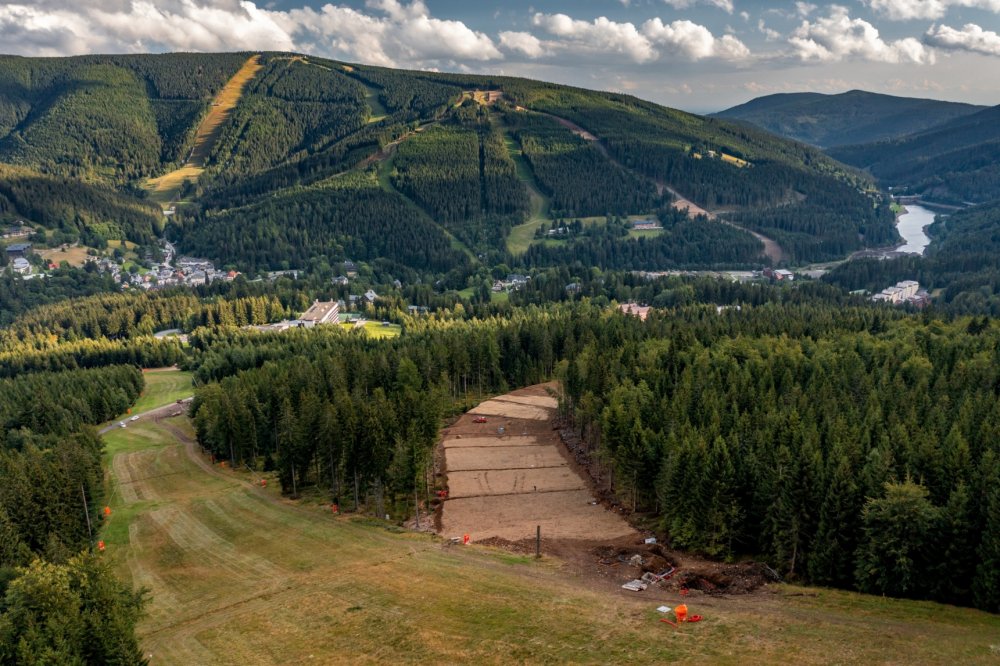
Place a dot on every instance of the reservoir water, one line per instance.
(911, 225)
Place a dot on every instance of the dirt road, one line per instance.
(159, 412)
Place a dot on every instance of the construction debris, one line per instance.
(635, 585)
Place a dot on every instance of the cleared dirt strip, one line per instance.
(510, 474)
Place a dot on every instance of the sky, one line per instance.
(696, 55)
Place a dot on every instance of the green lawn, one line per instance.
(162, 388)
(375, 329)
(238, 576)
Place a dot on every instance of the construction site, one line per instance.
(517, 480)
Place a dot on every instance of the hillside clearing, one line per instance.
(76, 255)
(238, 575)
(165, 189)
(163, 386)
(521, 236)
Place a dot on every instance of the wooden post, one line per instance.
(416, 503)
(538, 541)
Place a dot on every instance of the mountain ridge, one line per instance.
(302, 120)
(852, 117)
(956, 162)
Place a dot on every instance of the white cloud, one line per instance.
(48, 28)
(652, 42)
(769, 34)
(804, 8)
(693, 41)
(839, 37)
(600, 36)
(725, 5)
(970, 38)
(903, 10)
(522, 42)
(393, 33)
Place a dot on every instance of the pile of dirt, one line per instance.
(521, 547)
(713, 578)
(653, 558)
(632, 560)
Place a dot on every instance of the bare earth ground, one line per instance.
(503, 485)
(74, 256)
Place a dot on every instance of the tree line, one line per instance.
(58, 603)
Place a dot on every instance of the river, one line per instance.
(911, 225)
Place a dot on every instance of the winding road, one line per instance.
(165, 410)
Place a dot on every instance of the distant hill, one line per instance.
(852, 117)
(955, 162)
(412, 172)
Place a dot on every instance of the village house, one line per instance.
(18, 250)
(371, 296)
(341, 281)
(18, 230)
(646, 225)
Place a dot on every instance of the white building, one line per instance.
(908, 288)
(21, 266)
(321, 312)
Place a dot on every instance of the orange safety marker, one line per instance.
(263, 483)
(681, 613)
(107, 511)
(465, 539)
(334, 508)
(100, 546)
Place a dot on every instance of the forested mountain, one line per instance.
(955, 162)
(853, 117)
(92, 212)
(421, 160)
(107, 118)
